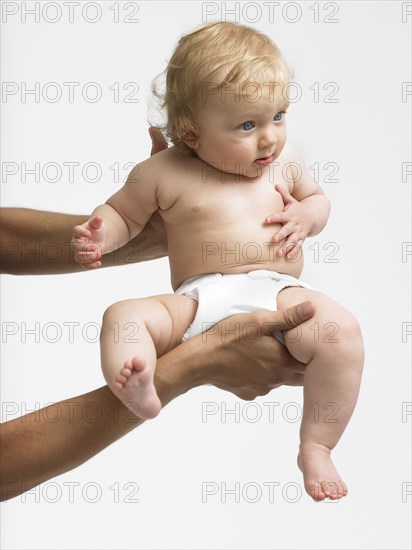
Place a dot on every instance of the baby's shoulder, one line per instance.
(171, 159)
(170, 170)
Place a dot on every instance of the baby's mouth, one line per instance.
(264, 160)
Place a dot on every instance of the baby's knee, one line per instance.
(349, 336)
(116, 311)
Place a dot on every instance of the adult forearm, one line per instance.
(36, 242)
(34, 449)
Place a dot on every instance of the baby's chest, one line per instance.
(228, 201)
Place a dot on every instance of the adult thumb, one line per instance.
(285, 319)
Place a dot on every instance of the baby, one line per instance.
(225, 101)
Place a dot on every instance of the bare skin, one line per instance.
(213, 198)
(34, 450)
(29, 237)
(27, 234)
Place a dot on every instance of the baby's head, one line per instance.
(224, 60)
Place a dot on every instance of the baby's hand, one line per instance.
(89, 242)
(297, 220)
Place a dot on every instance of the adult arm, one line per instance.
(36, 242)
(33, 450)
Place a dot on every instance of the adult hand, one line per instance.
(245, 359)
(25, 230)
(158, 141)
(34, 450)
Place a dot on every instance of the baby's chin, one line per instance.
(250, 170)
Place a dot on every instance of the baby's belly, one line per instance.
(227, 250)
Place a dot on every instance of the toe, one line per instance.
(316, 492)
(138, 363)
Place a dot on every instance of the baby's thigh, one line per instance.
(166, 317)
(181, 312)
(330, 329)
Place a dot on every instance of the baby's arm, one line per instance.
(306, 208)
(121, 218)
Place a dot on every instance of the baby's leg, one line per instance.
(331, 346)
(134, 334)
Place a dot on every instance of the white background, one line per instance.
(366, 133)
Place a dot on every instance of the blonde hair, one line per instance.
(222, 54)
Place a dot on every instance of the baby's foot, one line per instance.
(134, 386)
(319, 474)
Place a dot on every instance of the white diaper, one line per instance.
(220, 296)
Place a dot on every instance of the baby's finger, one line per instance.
(82, 246)
(89, 255)
(288, 245)
(87, 252)
(81, 231)
(279, 217)
(92, 265)
(96, 222)
(284, 193)
(295, 252)
(281, 234)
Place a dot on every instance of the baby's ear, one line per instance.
(191, 139)
(189, 135)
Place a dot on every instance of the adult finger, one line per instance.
(285, 319)
(158, 141)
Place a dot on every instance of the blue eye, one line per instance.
(279, 116)
(247, 125)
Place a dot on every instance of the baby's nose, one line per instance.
(267, 138)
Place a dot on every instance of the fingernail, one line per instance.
(305, 309)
